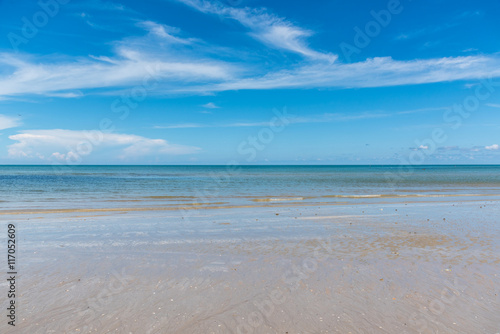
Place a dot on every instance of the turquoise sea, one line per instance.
(46, 187)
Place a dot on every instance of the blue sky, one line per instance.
(251, 82)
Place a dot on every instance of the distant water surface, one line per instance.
(25, 187)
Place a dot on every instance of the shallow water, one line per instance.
(70, 187)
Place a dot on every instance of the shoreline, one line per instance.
(216, 205)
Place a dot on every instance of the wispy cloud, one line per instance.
(128, 67)
(376, 72)
(64, 145)
(291, 119)
(87, 19)
(493, 105)
(163, 31)
(210, 105)
(100, 5)
(182, 64)
(421, 110)
(448, 148)
(7, 122)
(201, 125)
(451, 153)
(269, 29)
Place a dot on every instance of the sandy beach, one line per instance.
(381, 267)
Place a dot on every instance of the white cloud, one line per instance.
(267, 28)
(375, 72)
(59, 156)
(7, 122)
(132, 68)
(67, 95)
(100, 6)
(129, 67)
(79, 144)
(210, 105)
(423, 147)
(493, 105)
(163, 31)
(290, 119)
(198, 125)
(175, 65)
(492, 147)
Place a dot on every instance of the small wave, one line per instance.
(357, 196)
(405, 196)
(281, 199)
(168, 197)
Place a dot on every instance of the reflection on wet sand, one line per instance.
(375, 267)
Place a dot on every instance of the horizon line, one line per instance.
(244, 165)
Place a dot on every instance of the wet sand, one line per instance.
(380, 267)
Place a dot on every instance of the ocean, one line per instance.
(80, 187)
